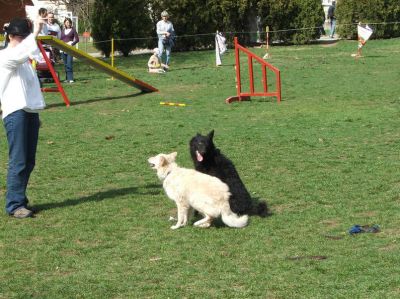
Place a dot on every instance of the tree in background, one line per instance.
(234, 16)
(131, 24)
(127, 21)
(102, 26)
(310, 16)
(239, 17)
(278, 15)
(351, 12)
(291, 21)
(195, 20)
(392, 16)
(189, 18)
(80, 8)
(299, 20)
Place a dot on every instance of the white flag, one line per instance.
(220, 47)
(364, 33)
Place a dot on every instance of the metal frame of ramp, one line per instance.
(59, 87)
(97, 63)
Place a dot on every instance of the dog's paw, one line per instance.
(205, 225)
(202, 224)
(176, 226)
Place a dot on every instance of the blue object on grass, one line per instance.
(356, 229)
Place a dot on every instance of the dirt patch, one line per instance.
(330, 222)
(307, 257)
(389, 248)
(366, 214)
(328, 45)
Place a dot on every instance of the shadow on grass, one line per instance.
(95, 100)
(198, 67)
(375, 56)
(151, 189)
(256, 202)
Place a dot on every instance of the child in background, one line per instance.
(42, 18)
(154, 63)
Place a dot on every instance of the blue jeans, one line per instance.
(161, 47)
(22, 129)
(333, 27)
(69, 72)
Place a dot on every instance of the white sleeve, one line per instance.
(159, 29)
(21, 53)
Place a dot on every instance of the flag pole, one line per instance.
(267, 43)
(363, 33)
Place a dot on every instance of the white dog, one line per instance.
(192, 189)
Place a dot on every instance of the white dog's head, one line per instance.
(163, 163)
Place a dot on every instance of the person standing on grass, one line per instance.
(52, 26)
(332, 17)
(21, 99)
(42, 15)
(55, 30)
(69, 36)
(165, 32)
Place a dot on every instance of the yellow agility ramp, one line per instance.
(97, 63)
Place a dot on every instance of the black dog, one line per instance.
(208, 159)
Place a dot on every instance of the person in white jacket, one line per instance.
(21, 99)
(165, 33)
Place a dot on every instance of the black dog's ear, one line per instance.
(211, 135)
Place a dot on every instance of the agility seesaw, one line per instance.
(97, 63)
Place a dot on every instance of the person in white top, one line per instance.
(21, 99)
(52, 27)
(165, 32)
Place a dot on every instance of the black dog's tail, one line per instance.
(261, 209)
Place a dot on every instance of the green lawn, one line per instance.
(325, 158)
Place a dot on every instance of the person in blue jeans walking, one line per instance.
(332, 18)
(21, 99)
(70, 37)
(166, 34)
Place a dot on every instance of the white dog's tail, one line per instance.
(233, 220)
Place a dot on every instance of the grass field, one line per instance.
(325, 158)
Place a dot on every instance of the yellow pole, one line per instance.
(112, 54)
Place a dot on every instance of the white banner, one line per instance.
(364, 32)
(220, 47)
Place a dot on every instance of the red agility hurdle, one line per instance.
(245, 96)
(59, 87)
